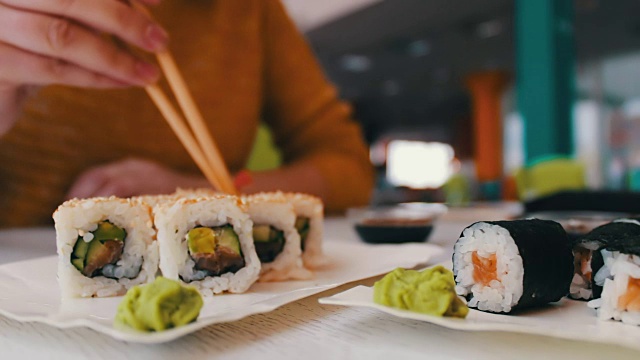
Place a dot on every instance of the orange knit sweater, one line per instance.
(244, 61)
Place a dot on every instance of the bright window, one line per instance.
(418, 164)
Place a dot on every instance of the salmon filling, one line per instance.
(630, 300)
(582, 263)
(484, 268)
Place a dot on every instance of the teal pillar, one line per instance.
(545, 75)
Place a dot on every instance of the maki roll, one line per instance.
(619, 273)
(501, 266)
(207, 243)
(105, 246)
(588, 256)
(620, 298)
(583, 262)
(309, 223)
(275, 237)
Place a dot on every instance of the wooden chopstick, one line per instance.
(202, 148)
(196, 121)
(178, 126)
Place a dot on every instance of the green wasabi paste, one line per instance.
(158, 306)
(431, 291)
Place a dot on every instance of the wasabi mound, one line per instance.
(431, 292)
(160, 305)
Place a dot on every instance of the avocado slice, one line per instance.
(302, 225)
(105, 248)
(206, 240)
(267, 233)
(201, 240)
(276, 235)
(215, 250)
(269, 243)
(261, 233)
(108, 231)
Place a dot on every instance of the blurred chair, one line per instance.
(457, 190)
(265, 154)
(548, 176)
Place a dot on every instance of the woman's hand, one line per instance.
(63, 42)
(132, 177)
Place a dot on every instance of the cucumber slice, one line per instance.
(228, 238)
(80, 249)
(78, 263)
(302, 225)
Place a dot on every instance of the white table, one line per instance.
(300, 330)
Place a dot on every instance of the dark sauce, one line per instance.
(394, 231)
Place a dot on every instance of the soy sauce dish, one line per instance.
(402, 223)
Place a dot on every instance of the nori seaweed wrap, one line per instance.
(617, 276)
(501, 266)
(619, 235)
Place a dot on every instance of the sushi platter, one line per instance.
(29, 291)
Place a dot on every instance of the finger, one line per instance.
(116, 187)
(21, 67)
(61, 38)
(148, 2)
(88, 184)
(109, 16)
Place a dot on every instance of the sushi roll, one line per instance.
(582, 286)
(105, 246)
(180, 193)
(155, 200)
(309, 223)
(620, 277)
(195, 192)
(618, 272)
(275, 237)
(207, 243)
(588, 256)
(504, 266)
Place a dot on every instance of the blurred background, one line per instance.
(466, 100)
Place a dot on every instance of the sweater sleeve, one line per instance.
(310, 123)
